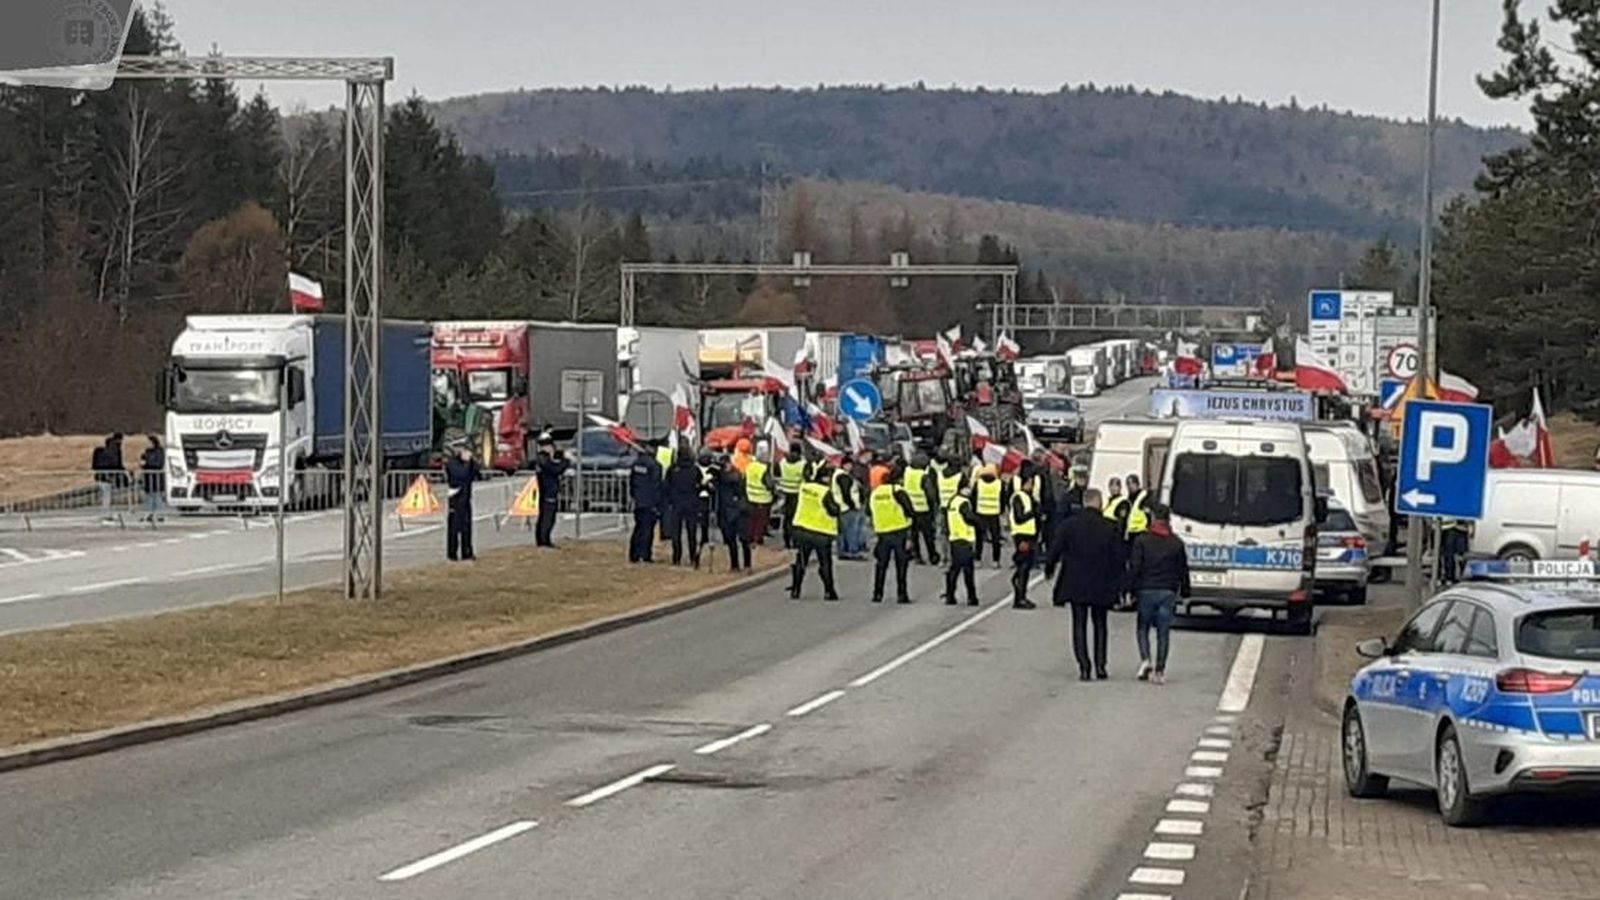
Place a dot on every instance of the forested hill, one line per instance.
(1118, 153)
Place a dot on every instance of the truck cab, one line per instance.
(732, 408)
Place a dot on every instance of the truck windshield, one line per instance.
(199, 390)
(488, 384)
(1236, 490)
(922, 398)
(734, 409)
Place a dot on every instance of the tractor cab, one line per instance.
(732, 408)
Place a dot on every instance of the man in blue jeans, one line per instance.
(1158, 574)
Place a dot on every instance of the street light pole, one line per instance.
(1415, 583)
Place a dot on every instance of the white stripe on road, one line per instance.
(1196, 790)
(1186, 827)
(1169, 852)
(1216, 743)
(221, 567)
(1242, 677)
(103, 586)
(458, 851)
(20, 598)
(725, 743)
(16, 554)
(938, 639)
(1144, 896)
(815, 704)
(1188, 807)
(620, 785)
(1157, 876)
(1202, 772)
(1209, 756)
(1219, 729)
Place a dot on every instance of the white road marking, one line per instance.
(1157, 876)
(1209, 756)
(20, 598)
(1224, 717)
(1202, 772)
(1169, 852)
(620, 785)
(221, 567)
(458, 851)
(1219, 729)
(1242, 677)
(936, 640)
(1187, 827)
(815, 703)
(1216, 743)
(172, 541)
(17, 555)
(725, 743)
(103, 586)
(1188, 807)
(1144, 897)
(1196, 790)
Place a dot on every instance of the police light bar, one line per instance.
(1531, 570)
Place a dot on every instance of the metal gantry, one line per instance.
(1142, 317)
(364, 79)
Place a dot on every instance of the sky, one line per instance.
(1367, 56)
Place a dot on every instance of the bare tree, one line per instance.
(140, 174)
(310, 196)
(583, 235)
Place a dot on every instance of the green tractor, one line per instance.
(458, 422)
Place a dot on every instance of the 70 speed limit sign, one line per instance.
(1403, 361)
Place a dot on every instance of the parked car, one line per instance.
(1537, 513)
(606, 465)
(1343, 563)
(1057, 417)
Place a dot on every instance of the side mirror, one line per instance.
(297, 387)
(1373, 648)
(164, 387)
(1319, 509)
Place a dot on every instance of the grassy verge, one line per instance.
(85, 678)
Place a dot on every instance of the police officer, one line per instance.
(1455, 535)
(729, 498)
(758, 491)
(816, 524)
(949, 480)
(683, 505)
(987, 501)
(1116, 506)
(961, 527)
(644, 484)
(1138, 509)
(893, 521)
(709, 472)
(1023, 512)
(548, 468)
(459, 473)
(665, 454)
(924, 495)
(792, 472)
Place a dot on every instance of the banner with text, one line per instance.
(1281, 406)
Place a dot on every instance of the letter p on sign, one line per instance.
(1431, 450)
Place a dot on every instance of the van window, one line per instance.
(1371, 483)
(1155, 459)
(1237, 490)
(1319, 476)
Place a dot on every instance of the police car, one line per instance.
(1493, 687)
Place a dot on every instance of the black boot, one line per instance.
(903, 599)
(1024, 603)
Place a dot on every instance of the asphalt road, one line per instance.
(1131, 398)
(797, 748)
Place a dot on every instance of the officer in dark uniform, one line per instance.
(709, 473)
(1023, 513)
(816, 524)
(548, 467)
(683, 505)
(460, 472)
(729, 498)
(644, 484)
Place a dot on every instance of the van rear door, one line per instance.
(1241, 508)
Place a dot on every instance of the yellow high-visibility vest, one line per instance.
(887, 515)
(988, 497)
(664, 458)
(956, 524)
(1029, 528)
(755, 482)
(949, 486)
(1138, 519)
(791, 475)
(811, 514)
(917, 487)
(1113, 505)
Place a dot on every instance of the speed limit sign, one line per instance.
(1404, 361)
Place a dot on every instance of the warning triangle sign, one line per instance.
(527, 503)
(420, 499)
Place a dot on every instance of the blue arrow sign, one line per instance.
(1444, 456)
(1326, 305)
(1389, 389)
(860, 400)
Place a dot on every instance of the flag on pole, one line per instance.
(979, 345)
(618, 430)
(305, 295)
(1267, 360)
(826, 449)
(952, 336)
(1006, 348)
(1454, 388)
(777, 437)
(980, 433)
(821, 423)
(1544, 454)
(802, 361)
(683, 416)
(781, 378)
(1007, 459)
(1187, 359)
(946, 350)
(1311, 374)
(852, 429)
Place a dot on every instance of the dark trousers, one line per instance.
(892, 546)
(806, 546)
(1082, 616)
(756, 520)
(922, 533)
(1453, 544)
(458, 531)
(961, 566)
(1027, 553)
(988, 533)
(549, 512)
(733, 536)
(684, 525)
(641, 546)
(790, 501)
(703, 523)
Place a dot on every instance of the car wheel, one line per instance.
(1358, 779)
(1457, 807)
(1520, 553)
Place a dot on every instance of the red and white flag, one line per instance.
(946, 350)
(952, 336)
(1311, 374)
(1007, 459)
(979, 345)
(305, 295)
(1544, 454)
(683, 415)
(980, 434)
(1455, 389)
(781, 378)
(1267, 360)
(802, 361)
(1036, 449)
(1187, 359)
(777, 436)
(852, 429)
(618, 430)
(821, 423)
(1006, 348)
(826, 449)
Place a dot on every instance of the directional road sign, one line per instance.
(860, 400)
(1390, 389)
(1444, 456)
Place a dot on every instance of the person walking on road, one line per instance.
(893, 517)
(1089, 550)
(153, 475)
(758, 493)
(988, 502)
(792, 472)
(1023, 513)
(1158, 574)
(961, 527)
(923, 491)
(816, 525)
(548, 467)
(682, 502)
(459, 474)
(729, 498)
(645, 486)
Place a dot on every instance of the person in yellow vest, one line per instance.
(924, 493)
(961, 526)
(1138, 509)
(949, 480)
(1116, 506)
(759, 487)
(1023, 513)
(893, 517)
(664, 459)
(988, 502)
(792, 472)
(816, 524)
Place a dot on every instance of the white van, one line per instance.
(1243, 500)
(1124, 447)
(1538, 513)
(1342, 461)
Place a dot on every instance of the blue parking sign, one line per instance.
(1444, 456)
(1326, 305)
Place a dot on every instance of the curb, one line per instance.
(96, 742)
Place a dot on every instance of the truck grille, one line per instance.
(223, 450)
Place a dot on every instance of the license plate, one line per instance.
(1206, 579)
(224, 496)
(1594, 725)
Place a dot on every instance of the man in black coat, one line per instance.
(459, 474)
(683, 505)
(548, 467)
(645, 487)
(1089, 549)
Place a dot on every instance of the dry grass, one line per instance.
(84, 678)
(1341, 629)
(1574, 441)
(45, 464)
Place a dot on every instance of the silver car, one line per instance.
(1056, 417)
(1491, 688)
(1343, 563)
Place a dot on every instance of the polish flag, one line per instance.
(1006, 348)
(979, 345)
(1510, 448)
(618, 430)
(1312, 375)
(821, 423)
(1456, 389)
(1544, 454)
(1267, 360)
(947, 351)
(980, 434)
(852, 430)
(682, 415)
(1187, 361)
(780, 439)
(1007, 459)
(952, 337)
(802, 362)
(1036, 449)
(305, 295)
(780, 378)
(826, 449)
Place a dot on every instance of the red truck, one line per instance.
(492, 361)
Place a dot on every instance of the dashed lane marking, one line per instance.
(1209, 756)
(1216, 743)
(1165, 851)
(454, 853)
(103, 586)
(1202, 772)
(20, 598)
(1242, 676)
(725, 743)
(620, 785)
(1157, 875)
(1185, 827)
(1188, 807)
(814, 704)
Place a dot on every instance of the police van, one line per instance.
(1244, 501)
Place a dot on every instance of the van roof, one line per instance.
(1545, 476)
(1229, 428)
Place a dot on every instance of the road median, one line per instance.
(86, 689)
